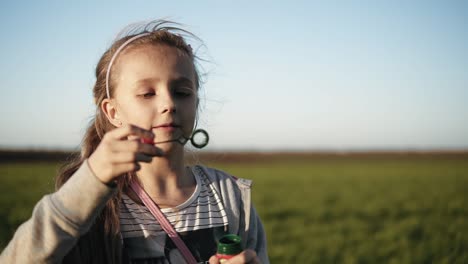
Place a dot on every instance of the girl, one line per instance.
(132, 158)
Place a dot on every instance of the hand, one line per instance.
(116, 155)
(247, 256)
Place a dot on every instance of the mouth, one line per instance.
(167, 126)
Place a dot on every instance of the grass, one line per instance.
(337, 209)
(362, 210)
(21, 187)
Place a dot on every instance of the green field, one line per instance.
(322, 209)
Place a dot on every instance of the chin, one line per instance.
(169, 147)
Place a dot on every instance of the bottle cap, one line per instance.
(229, 245)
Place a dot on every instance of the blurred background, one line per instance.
(350, 116)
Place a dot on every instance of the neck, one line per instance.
(166, 177)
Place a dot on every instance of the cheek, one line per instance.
(137, 114)
(189, 115)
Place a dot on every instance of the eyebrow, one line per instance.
(145, 81)
(178, 81)
(182, 81)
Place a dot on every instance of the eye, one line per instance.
(183, 92)
(147, 95)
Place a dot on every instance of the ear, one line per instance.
(109, 108)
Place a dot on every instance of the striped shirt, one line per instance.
(201, 215)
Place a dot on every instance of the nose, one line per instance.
(166, 103)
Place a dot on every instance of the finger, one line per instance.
(246, 256)
(213, 260)
(123, 168)
(135, 146)
(130, 157)
(147, 141)
(127, 130)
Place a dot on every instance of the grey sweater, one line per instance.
(60, 218)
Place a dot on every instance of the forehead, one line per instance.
(159, 62)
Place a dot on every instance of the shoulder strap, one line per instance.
(161, 218)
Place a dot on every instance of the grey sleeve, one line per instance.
(58, 220)
(256, 238)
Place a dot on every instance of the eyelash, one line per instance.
(148, 95)
(182, 93)
(176, 93)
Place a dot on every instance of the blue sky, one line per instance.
(335, 75)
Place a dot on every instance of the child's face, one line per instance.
(156, 89)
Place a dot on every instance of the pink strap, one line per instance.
(154, 209)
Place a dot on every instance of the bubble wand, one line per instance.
(183, 140)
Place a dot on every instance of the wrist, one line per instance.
(108, 182)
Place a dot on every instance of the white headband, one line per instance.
(115, 56)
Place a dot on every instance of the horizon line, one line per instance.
(448, 150)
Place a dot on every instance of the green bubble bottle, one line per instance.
(228, 246)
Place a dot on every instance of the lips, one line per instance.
(167, 125)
